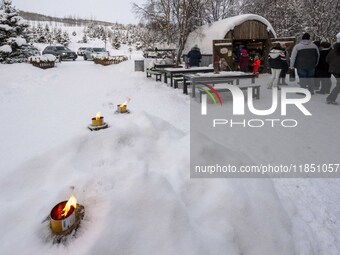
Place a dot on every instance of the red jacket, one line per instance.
(256, 65)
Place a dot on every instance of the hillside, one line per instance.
(72, 21)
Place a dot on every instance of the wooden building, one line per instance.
(226, 38)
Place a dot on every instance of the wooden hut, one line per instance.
(226, 38)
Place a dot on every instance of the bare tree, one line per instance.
(323, 18)
(219, 9)
(293, 17)
(175, 19)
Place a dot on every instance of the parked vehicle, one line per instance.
(61, 52)
(90, 53)
(80, 51)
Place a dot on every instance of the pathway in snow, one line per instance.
(136, 172)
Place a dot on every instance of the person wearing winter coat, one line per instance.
(194, 56)
(256, 65)
(244, 61)
(277, 61)
(305, 57)
(322, 76)
(333, 59)
(284, 71)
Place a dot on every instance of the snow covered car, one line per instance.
(90, 53)
(61, 52)
(80, 51)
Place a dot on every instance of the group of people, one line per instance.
(315, 63)
(244, 62)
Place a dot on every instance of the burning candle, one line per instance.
(122, 108)
(62, 216)
(98, 120)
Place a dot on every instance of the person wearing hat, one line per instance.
(194, 56)
(333, 60)
(244, 61)
(305, 57)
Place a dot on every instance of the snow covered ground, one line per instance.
(133, 178)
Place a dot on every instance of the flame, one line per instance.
(126, 102)
(98, 115)
(71, 202)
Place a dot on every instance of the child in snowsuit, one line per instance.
(256, 66)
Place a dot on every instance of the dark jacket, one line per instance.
(333, 59)
(277, 59)
(244, 62)
(305, 55)
(322, 67)
(194, 56)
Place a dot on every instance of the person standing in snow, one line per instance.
(256, 65)
(323, 77)
(244, 61)
(284, 71)
(277, 61)
(333, 59)
(305, 57)
(194, 56)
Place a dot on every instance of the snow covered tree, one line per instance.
(66, 39)
(40, 34)
(322, 18)
(58, 35)
(175, 19)
(84, 38)
(116, 43)
(12, 28)
(218, 9)
(294, 17)
(74, 33)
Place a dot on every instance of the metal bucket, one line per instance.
(121, 108)
(60, 224)
(97, 122)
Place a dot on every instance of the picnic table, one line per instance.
(214, 78)
(162, 66)
(173, 72)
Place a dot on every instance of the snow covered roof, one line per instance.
(204, 35)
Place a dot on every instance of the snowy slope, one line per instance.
(133, 178)
(92, 42)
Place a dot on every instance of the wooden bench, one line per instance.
(150, 72)
(175, 76)
(255, 88)
(176, 80)
(185, 86)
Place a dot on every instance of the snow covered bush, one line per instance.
(109, 60)
(12, 31)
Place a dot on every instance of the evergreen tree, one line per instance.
(65, 39)
(116, 43)
(84, 38)
(12, 28)
(58, 36)
(40, 34)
